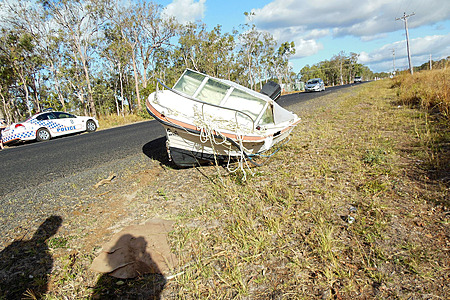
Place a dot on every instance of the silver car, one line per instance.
(315, 85)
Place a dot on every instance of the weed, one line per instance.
(57, 242)
(374, 157)
(113, 120)
(428, 89)
(30, 294)
(162, 193)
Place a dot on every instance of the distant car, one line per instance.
(46, 125)
(357, 79)
(315, 85)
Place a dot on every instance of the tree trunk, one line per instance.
(88, 82)
(57, 86)
(136, 81)
(25, 89)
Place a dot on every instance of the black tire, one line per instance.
(43, 135)
(91, 126)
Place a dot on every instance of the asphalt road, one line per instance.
(31, 164)
(28, 165)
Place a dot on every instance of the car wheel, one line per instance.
(42, 135)
(91, 126)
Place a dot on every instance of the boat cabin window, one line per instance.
(213, 92)
(189, 83)
(267, 117)
(245, 102)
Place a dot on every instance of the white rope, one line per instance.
(210, 128)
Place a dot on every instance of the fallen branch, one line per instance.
(105, 181)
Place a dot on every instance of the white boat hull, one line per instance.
(187, 148)
(207, 119)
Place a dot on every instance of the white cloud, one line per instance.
(304, 48)
(186, 11)
(348, 17)
(307, 22)
(421, 48)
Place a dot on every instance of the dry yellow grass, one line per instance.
(113, 120)
(429, 89)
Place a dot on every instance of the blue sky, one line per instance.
(323, 28)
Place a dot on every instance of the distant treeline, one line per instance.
(340, 69)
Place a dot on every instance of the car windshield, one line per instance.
(313, 81)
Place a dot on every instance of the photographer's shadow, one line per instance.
(25, 265)
(135, 274)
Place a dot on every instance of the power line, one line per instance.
(405, 19)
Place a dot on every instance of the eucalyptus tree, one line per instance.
(339, 61)
(352, 60)
(217, 54)
(143, 30)
(7, 78)
(190, 50)
(330, 72)
(116, 54)
(284, 52)
(167, 66)
(260, 59)
(19, 46)
(32, 18)
(266, 64)
(308, 72)
(251, 45)
(81, 21)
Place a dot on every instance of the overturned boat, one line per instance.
(211, 119)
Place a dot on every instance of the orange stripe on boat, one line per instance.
(193, 127)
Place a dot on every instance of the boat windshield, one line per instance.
(218, 92)
(213, 92)
(189, 82)
(245, 102)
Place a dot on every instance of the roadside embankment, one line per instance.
(354, 206)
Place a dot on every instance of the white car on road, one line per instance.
(46, 125)
(315, 85)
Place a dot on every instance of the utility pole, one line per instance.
(405, 19)
(431, 63)
(393, 61)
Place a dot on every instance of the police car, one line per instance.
(46, 125)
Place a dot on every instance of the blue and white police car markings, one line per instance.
(66, 128)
